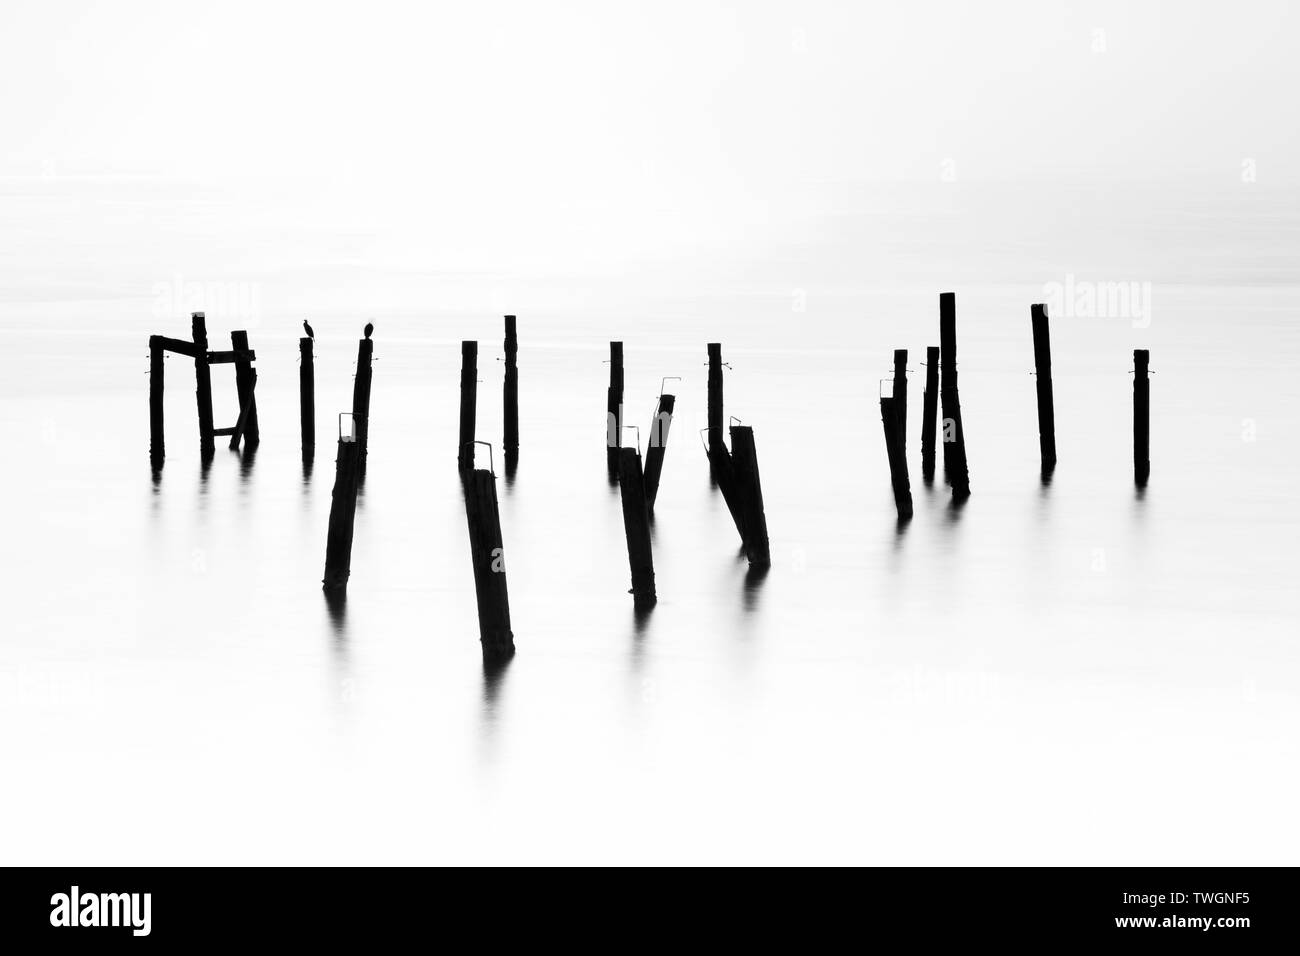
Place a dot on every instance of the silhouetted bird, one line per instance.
(370, 327)
(307, 329)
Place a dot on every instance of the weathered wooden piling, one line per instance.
(929, 412)
(900, 393)
(307, 395)
(361, 403)
(614, 408)
(1043, 378)
(744, 457)
(510, 397)
(468, 403)
(246, 387)
(889, 417)
(343, 509)
(954, 436)
(715, 396)
(636, 527)
(157, 441)
(654, 456)
(488, 557)
(1141, 417)
(203, 385)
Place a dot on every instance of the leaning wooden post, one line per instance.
(487, 555)
(654, 456)
(203, 384)
(468, 399)
(897, 458)
(245, 387)
(900, 394)
(1141, 417)
(614, 408)
(636, 527)
(157, 442)
(929, 412)
(307, 396)
(1043, 377)
(744, 457)
(715, 396)
(343, 509)
(954, 436)
(510, 397)
(361, 403)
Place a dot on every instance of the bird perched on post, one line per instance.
(307, 329)
(370, 327)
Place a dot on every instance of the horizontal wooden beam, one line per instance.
(225, 358)
(173, 345)
(224, 431)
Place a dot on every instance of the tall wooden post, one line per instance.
(715, 416)
(488, 557)
(307, 396)
(343, 509)
(1043, 378)
(614, 408)
(246, 387)
(954, 436)
(744, 457)
(361, 404)
(654, 456)
(897, 459)
(1141, 417)
(510, 397)
(900, 394)
(157, 442)
(929, 412)
(203, 384)
(468, 403)
(636, 527)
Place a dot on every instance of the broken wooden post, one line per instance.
(614, 408)
(157, 442)
(1043, 377)
(510, 398)
(897, 458)
(636, 527)
(343, 509)
(654, 456)
(488, 558)
(954, 436)
(468, 398)
(1141, 417)
(245, 386)
(203, 385)
(715, 396)
(900, 394)
(307, 396)
(744, 457)
(929, 412)
(361, 403)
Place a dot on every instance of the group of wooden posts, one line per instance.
(941, 395)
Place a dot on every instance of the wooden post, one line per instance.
(897, 459)
(343, 509)
(203, 385)
(361, 404)
(744, 457)
(654, 456)
(614, 408)
(900, 394)
(307, 396)
(245, 385)
(468, 399)
(487, 555)
(1141, 417)
(157, 442)
(510, 397)
(954, 436)
(723, 471)
(715, 396)
(1043, 377)
(929, 412)
(636, 527)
